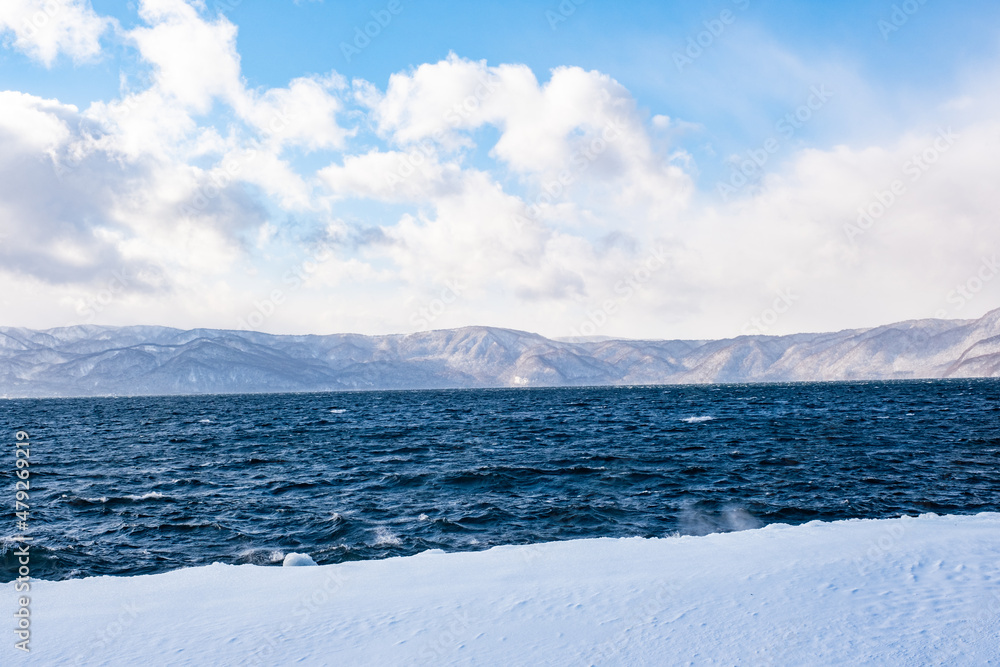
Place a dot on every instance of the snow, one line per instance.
(297, 560)
(913, 590)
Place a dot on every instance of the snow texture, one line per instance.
(95, 360)
(907, 591)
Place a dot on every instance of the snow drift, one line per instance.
(913, 590)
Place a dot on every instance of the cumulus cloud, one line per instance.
(303, 114)
(110, 188)
(392, 176)
(195, 61)
(546, 202)
(45, 28)
(48, 232)
(74, 213)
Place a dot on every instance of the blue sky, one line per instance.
(733, 97)
(165, 93)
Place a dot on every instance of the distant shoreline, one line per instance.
(149, 361)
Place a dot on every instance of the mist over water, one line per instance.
(129, 486)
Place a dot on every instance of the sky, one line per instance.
(571, 168)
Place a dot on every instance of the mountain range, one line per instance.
(91, 360)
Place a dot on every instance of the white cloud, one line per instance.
(304, 114)
(74, 212)
(263, 167)
(427, 103)
(394, 176)
(33, 123)
(578, 132)
(542, 199)
(45, 28)
(141, 125)
(195, 61)
(541, 126)
(47, 223)
(802, 233)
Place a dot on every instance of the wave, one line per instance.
(152, 495)
(112, 500)
(386, 538)
(260, 556)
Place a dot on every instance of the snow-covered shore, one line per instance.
(920, 590)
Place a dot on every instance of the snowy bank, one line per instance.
(900, 591)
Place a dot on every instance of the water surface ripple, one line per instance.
(129, 486)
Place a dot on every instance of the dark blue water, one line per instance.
(128, 486)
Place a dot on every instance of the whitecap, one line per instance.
(152, 495)
(385, 537)
(338, 411)
(698, 420)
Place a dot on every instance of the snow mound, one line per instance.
(907, 591)
(297, 560)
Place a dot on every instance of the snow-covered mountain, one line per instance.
(98, 360)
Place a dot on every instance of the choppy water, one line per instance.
(138, 485)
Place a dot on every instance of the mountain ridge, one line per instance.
(98, 360)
